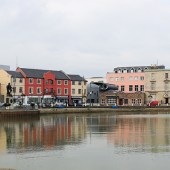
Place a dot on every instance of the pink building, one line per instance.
(129, 79)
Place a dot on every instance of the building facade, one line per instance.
(78, 89)
(17, 83)
(115, 98)
(130, 79)
(46, 84)
(157, 85)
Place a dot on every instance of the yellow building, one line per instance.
(157, 85)
(17, 83)
(78, 89)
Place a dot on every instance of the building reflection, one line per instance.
(141, 133)
(136, 133)
(46, 133)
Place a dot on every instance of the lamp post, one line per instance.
(90, 93)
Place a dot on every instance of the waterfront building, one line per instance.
(130, 79)
(157, 85)
(78, 89)
(117, 98)
(17, 83)
(93, 90)
(46, 84)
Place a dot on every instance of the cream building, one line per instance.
(17, 83)
(157, 85)
(78, 89)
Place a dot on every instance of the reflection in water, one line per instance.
(146, 133)
(141, 133)
(109, 134)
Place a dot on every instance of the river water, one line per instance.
(86, 142)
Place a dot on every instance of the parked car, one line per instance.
(153, 103)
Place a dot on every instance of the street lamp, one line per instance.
(90, 93)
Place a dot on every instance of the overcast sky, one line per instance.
(85, 37)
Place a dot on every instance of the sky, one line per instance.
(85, 37)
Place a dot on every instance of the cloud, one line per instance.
(88, 37)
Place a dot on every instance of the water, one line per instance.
(86, 142)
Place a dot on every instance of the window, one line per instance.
(79, 91)
(20, 80)
(153, 86)
(166, 75)
(141, 87)
(152, 76)
(14, 89)
(38, 81)
(20, 89)
(73, 82)
(59, 82)
(66, 91)
(59, 90)
(125, 101)
(103, 101)
(65, 82)
(133, 101)
(139, 101)
(31, 80)
(130, 87)
(111, 79)
(51, 90)
(166, 86)
(46, 81)
(79, 83)
(38, 90)
(122, 78)
(84, 91)
(125, 71)
(31, 90)
(130, 78)
(73, 91)
(136, 78)
(142, 78)
(139, 70)
(46, 90)
(117, 79)
(122, 88)
(51, 81)
(136, 87)
(84, 83)
(14, 79)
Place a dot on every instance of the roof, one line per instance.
(142, 68)
(37, 73)
(15, 74)
(76, 77)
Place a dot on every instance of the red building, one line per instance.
(41, 84)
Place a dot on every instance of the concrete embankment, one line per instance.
(104, 110)
(16, 112)
(84, 110)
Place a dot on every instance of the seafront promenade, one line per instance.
(42, 111)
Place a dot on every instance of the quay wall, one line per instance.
(43, 111)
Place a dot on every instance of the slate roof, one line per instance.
(37, 73)
(76, 77)
(15, 74)
(142, 68)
